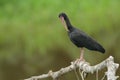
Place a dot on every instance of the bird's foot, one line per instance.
(80, 59)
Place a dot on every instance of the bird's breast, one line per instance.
(75, 39)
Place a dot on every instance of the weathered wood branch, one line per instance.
(85, 67)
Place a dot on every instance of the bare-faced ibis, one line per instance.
(80, 38)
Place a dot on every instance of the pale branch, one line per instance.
(85, 67)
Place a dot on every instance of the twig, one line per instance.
(103, 77)
(97, 75)
(85, 67)
(77, 76)
(81, 74)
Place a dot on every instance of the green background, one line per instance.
(33, 40)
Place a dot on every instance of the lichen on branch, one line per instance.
(85, 67)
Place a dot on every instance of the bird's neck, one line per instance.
(68, 24)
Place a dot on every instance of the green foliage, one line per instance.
(28, 27)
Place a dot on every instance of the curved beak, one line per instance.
(63, 22)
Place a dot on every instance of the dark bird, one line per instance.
(80, 38)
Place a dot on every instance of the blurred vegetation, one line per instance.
(33, 40)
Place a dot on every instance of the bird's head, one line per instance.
(63, 18)
(63, 15)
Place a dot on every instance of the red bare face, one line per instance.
(63, 22)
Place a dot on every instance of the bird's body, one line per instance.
(80, 38)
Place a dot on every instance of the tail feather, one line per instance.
(100, 48)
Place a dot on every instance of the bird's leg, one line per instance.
(81, 54)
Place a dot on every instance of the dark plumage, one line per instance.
(79, 38)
